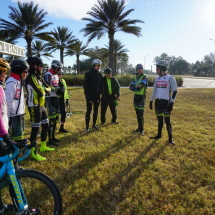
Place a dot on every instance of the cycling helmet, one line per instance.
(107, 70)
(56, 64)
(34, 61)
(18, 65)
(4, 65)
(97, 62)
(162, 63)
(139, 66)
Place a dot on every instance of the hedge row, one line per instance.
(124, 80)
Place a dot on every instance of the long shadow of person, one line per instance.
(106, 196)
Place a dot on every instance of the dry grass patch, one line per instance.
(114, 171)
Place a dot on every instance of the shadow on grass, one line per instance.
(80, 169)
(107, 199)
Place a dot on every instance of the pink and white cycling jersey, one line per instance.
(163, 86)
(3, 113)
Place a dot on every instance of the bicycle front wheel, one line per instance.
(39, 190)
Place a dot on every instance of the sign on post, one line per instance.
(10, 49)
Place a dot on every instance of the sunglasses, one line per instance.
(41, 65)
(98, 64)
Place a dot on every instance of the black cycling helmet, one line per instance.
(107, 70)
(34, 61)
(18, 65)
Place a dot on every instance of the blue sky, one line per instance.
(176, 27)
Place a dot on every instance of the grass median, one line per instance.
(114, 171)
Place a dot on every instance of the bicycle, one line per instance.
(33, 189)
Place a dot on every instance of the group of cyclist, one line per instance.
(164, 93)
(43, 104)
(47, 99)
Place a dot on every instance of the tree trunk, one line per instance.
(115, 62)
(1, 55)
(29, 48)
(111, 53)
(61, 55)
(78, 63)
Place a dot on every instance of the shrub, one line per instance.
(74, 80)
(124, 80)
(179, 81)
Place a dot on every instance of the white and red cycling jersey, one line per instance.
(52, 80)
(163, 85)
(14, 95)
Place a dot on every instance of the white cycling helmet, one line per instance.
(57, 64)
(162, 63)
(97, 61)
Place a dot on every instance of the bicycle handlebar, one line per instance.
(7, 158)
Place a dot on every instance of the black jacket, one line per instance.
(93, 86)
(114, 86)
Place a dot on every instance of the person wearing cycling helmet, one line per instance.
(64, 101)
(4, 125)
(111, 96)
(93, 88)
(52, 102)
(15, 98)
(163, 85)
(139, 86)
(36, 89)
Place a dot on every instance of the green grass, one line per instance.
(114, 171)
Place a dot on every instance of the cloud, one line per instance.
(210, 12)
(68, 9)
(149, 3)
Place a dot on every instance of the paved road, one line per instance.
(195, 83)
(198, 83)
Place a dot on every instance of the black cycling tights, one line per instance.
(95, 103)
(34, 133)
(168, 126)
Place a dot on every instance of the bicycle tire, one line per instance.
(40, 192)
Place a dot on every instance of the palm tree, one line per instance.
(120, 54)
(108, 17)
(27, 23)
(40, 49)
(77, 49)
(63, 38)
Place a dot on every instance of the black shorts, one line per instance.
(38, 116)
(161, 107)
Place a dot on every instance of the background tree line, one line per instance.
(179, 66)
